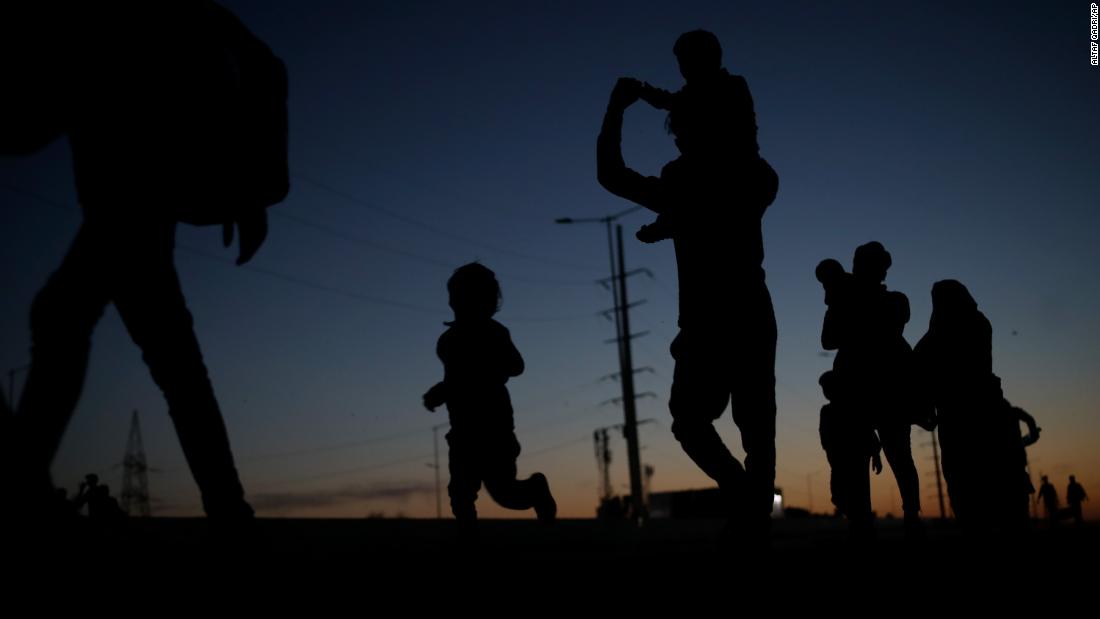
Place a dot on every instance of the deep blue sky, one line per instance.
(426, 135)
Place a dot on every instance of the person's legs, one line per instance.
(699, 395)
(63, 316)
(859, 495)
(499, 455)
(146, 291)
(897, 447)
(753, 395)
(462, 462)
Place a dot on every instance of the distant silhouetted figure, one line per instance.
(715, 195)
(478, 359)
(718, 101)
(1075, 495)
(175, 112)
(62, 506)
(850, 442)
(980, 443)
(83, 492)
(1049, 497)
(864, 323)
(101, 505)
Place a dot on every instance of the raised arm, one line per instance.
(611, 170)
(657, 97)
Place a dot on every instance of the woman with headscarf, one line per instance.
(980, 457)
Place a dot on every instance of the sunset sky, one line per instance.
(425, 135)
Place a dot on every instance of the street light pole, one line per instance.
(617, 284)
(810, 488)
(438, 487)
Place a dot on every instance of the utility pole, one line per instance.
(629, 409)
(135, 482)
(438, 485)
(621, 309)
(810, 489)
(603, 463)
(649, 471)
(603, 453)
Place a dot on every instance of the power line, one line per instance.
(367, 298)
(309, 284)
(331, 447)
(391, 463)
(422, 258)
(623, 336)
(441, 232)
(345, 472)
(406, 460)
(59, 205)
(362, 297)
(357, 240)
(555, 447)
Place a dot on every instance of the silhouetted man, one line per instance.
(726, 346)
(717, 100)
(165, 110)
(101, 505)
(864, 324)
(1049, 496)
(1075, 495)
(980, 442)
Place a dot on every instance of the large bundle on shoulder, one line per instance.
(232, 129)
(170, 105)
(31, 59)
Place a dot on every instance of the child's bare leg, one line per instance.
(465, 479)
(509, 492)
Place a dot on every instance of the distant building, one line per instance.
(702, 503)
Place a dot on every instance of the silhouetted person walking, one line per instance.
(864, 323)
(980, 442)
(175, 112)
(1049, 497)
(1075, 495)
(101, 505)
(478, 359)
(716, 193)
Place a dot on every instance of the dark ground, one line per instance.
(807, 548)
(321, 568)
